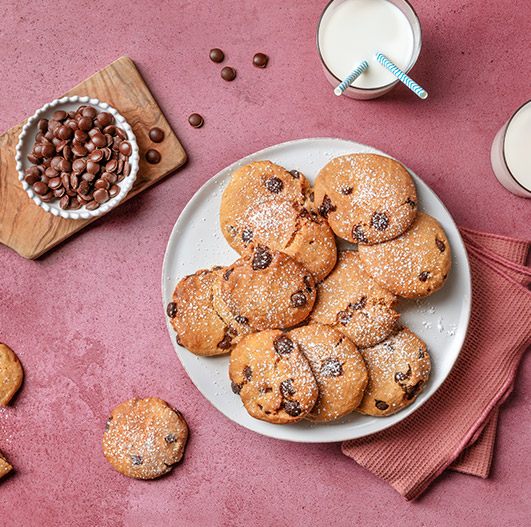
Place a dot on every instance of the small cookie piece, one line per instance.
(5, 467)
(144, 438)
(200, 329)
(251, 185)
(398, 369)
(367, 198)
(11, 374)
(288, 227)
(273, 378)
(414, 265)
(354, 303)
(269, 289)
(338, 368)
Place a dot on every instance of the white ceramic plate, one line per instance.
(196, 242)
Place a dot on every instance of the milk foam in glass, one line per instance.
(351, 31)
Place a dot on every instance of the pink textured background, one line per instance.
(86, 320)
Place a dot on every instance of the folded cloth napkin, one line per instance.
(456, 427)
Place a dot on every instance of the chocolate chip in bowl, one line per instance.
(77, 157)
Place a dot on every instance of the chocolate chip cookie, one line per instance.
(273, 378)
(11, 374)
(144, 438)
(367, 198)
(288, 227)
(200, 329)
(269, 289)
(5, 467)
(413, 265)
(338, 368)
(354, 303)
(398, 369)
(251, 185)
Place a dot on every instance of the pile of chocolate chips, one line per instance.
(78, 157)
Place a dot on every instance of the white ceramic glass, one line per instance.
(350, 31)
(510, 154)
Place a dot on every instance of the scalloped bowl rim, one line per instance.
(125, 185)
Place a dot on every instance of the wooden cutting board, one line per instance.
(31, 231)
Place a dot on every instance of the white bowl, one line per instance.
(27, 139)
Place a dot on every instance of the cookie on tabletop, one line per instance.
(11, 374)
(5, 466)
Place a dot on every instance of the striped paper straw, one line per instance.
(410, 83)
(351, 78)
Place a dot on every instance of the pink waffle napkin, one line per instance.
(456, 427)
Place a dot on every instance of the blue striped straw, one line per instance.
(410, 83)
(351, 78)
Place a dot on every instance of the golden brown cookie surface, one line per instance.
(144, 438)
(367, 198)
(290, 228)
(398, 369)
(200, 329)
(5, 467)
(11, 374)
(413, 265)
(354, 303)
(251, 185)
(269, 289)
(272, 377)
(338, 368)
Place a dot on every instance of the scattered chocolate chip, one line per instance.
(360, 304)
(156, 134)
(226, 343)
(227, 273)
(261, 259)
(274, 185)
(400, 376)
(298, 299)
(326, 207)
(283, 345)
(152, 156)
(228, 74)
(248, 373)
(292, 408)
(411, 203)
(380, 221)
(346, 190)
(381, 405)
(247, 235)
(241, 319)
(295, 174)
(108, 424)
(171, 309)
(331, 367)
(216, 55)
(196, 120)
(236, 388)
(308, 284)
(411, 391)
(440, 245)
(136, 460)
(423, 276)
(170, 438)
(344, 317)
(358, 235)
(286, 388)
(260, 60)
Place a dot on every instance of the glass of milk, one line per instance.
(350, 31)
(510, 154)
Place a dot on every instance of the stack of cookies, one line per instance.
(313, 332)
